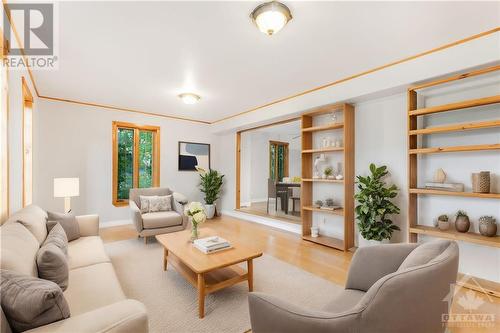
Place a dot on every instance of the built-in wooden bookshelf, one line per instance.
(308, 155)
(414, 151)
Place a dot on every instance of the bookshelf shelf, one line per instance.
(347, 213)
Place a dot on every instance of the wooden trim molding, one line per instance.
(4, 106)
(27, 105)
(156, 157)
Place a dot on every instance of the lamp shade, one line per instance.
(66, 187)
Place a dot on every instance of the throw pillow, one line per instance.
(67, 221)
(52, 264)
(146, 203)
(57, 236)
(29, 302)
(160, 203)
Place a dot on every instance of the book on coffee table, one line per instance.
(211, 244)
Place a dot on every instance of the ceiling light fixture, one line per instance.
(189, 98)
(271, 17)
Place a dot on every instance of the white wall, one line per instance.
(75, 141)
(16, 136)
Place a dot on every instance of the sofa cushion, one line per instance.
(18, 249)
(424, 253)
(346, 300)
(161, 219)
(86, 251)
(67, 221)
(92, 287)
(146, 202)
(52, 264)
(30, 302)
(34, 219)
(57, 236)
(161, 203)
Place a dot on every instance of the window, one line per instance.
(278, 160)
(4, 121)
(27, 145)
(136, 159)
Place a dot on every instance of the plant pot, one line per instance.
(462, 223)
(370, 242)
(444, 225)
(314, 232)
(210, 210)
(487, 226)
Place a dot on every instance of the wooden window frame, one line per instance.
(286, 168)
(156, 156)
(27, 103)
(4, 105)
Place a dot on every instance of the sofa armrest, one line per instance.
(128, 316)
(270, 314)
(180, 198)
(371, 263)
(136, 215)
(88, 224)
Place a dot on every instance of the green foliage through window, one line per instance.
(132, 157)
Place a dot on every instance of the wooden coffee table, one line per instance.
(207, 272)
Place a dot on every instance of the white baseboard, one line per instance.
(270, 222)
(113, 223)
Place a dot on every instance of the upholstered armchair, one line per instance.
(155, 223)
(390, 288)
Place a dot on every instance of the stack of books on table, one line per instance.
(211, 244)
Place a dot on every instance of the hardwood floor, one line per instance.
(322, 261)
(259, 208)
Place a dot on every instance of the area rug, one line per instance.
(172, 303)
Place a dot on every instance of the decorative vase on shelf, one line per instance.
(481, 182)
(487, 226)
(462, 222)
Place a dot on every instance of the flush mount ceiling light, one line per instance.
(189, 98)
(271, 17)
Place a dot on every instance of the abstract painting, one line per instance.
(192, 155)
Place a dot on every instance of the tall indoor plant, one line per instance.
(210, 184)
(374, 205)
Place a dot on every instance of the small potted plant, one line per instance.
(328, 172)
(462, 222)
(329, 202)
(210, 184)
(487, 226)
(443, 222)
(318, 203)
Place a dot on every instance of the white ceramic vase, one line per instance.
(210, 210)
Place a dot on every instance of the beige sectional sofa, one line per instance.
(94, 295)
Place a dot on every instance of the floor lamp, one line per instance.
(66, 188)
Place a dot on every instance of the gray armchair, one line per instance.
(155, 223)
(390, 288)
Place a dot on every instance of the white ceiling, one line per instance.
(140, 55)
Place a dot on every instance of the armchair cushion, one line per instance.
(136, 192)
(346, 300)
(161, 219)
(424, 253)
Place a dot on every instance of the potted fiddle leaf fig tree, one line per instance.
(375, 206)
(210, 184)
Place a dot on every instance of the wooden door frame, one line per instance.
(237, 195)
(27, 103)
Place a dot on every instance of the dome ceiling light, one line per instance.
(271, 17)
(189, 98)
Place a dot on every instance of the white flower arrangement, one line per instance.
(197, 212)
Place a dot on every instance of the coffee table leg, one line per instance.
(201, 296)
(250, 274)
(165, 254)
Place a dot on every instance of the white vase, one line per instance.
(365, 242)
(210, 210)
